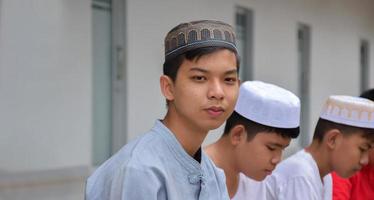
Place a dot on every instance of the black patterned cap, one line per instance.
(198, 34)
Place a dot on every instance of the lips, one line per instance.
(268, 172)
(215, 111)
(357, 169)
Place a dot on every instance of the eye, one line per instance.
(199, 78)
(231, 80)
(363, 149)
(271, 148)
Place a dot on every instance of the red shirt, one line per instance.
(358, 187)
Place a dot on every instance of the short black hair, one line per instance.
(171, 66)
(368, 94)
(324, 126)
(252, 127)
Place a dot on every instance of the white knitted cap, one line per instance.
(348, 110)
(268, 104)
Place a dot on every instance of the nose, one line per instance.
(364, 159)
(216, 90)
(276, 159)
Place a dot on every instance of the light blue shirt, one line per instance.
(155, 166)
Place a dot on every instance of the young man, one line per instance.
(342, 138)
(200, 84)
(265, 119)
(361, 184)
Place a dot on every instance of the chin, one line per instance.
(213, 125)
(257, 177)
(210, 128)
(347, 175)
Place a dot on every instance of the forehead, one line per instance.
(222, 57)
(272, 137)
(359, 138)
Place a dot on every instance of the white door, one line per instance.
(102, 80)
(109, 78)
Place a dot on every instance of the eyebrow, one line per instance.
(366, 145)
(279, 145)
(199, 69)
(232, 71)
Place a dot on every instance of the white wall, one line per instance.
(336, 28)
(45, 84)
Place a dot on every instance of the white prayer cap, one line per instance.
(348, 110)
(268, 104)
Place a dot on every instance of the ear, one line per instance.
(167, 87)
(237, 134)
(332, 138)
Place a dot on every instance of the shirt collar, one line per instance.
(188, 162)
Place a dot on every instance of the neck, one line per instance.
(321, 156)
(189, 137)
(221, 154)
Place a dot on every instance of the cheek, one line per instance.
(232, 94)
(187, 94)
(246, 157)
(353, 155)
(346, 159)
(259, 156)
(340, 167)
(337, 161)
(371, 157)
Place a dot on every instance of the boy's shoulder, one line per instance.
(299, 170)
(142, 154)
(250, 188)
(301, 164)
(144, 150)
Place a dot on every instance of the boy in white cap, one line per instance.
(361, 184)
(264, 120)
(342, 138)
(201, 85)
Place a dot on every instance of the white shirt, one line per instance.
(250, 189)
(327, 185)
(297, 178)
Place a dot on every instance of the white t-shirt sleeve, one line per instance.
(271, 187)
(327, 187)
(250, 189)
(298, 188)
